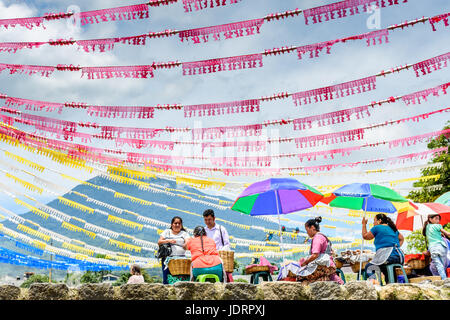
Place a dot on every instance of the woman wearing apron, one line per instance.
(319, 266)
(387, 244)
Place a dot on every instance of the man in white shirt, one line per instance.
(218, 233)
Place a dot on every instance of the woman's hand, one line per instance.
(173, 241)
(364, 221)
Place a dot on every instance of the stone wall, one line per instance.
(279, 290)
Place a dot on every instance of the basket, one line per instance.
(256, 269)
(180, 267)
(355, 266)
(228, 260)
(417, 264)
(420, 279)
(399, 272)
(291, 275)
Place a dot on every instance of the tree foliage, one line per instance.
(428, 194)
(93, 276)
(35, 278)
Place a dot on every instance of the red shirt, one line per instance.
(206, 258)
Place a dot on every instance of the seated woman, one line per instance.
(204, 255)
(319, 266)
(136, 276)
(387, 244)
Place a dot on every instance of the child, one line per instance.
(437, 246)
(136, 276)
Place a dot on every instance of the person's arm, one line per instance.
(226, 238)
(311, 258)
(401, 239)
(365, 234)
(446, 233)
(162, 240)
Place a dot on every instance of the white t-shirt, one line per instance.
(180, 238)
(136, 279)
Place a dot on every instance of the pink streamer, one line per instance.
(228, 31)
(244, 146)
(331, 118)
(108, 132)
(45, 71)
(216, 109)
(189, 5)
(222, 64)
(242, 161)
(415, 97)
(336, 91)
(139, 11)
(330, 138)
(139, 143)
(315, 49)
(142, 72)
(157, 159)
(28, 23)
(14, 46)
(436, 19)
(338, 10)
(230, 132)
(34, 105)
(327, 153)
(121, 111)
(372, 37)
(432, 64)
(108, 44)
(418, 155)
(413, 140)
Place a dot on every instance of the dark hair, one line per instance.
(135, 269)
(386, 220)
(208, 212)
(424, 230)
(173, 220)
(314, 222)
(199, 231)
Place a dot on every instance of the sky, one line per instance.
(282, 73)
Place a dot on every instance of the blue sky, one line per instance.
(284, 73)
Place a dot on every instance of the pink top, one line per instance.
(319, 245)
(203, 259)
(136, 279)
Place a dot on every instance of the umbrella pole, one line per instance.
(279, 226)
(362, 244)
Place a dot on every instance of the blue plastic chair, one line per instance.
(256, 275)
(391, 275)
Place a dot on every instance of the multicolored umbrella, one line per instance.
(444, 199)
(276, 196)
(364, 196)
(414, 218)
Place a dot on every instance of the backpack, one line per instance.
(164, 251)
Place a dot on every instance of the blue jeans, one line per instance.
(438, 256)
(164, 271)
(393, 258)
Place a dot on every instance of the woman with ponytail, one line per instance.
(387, 243)
(437, 245)
(319, 265)
(204, 255)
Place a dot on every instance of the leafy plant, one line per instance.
(416, 242)
(93, 276)
(36, 278)
(240, 280)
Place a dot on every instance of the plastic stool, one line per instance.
(264, 274)
(390, 270)
(205, 277)
(341, 274)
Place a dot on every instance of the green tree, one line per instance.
(35, 278)
(93, 276)
(428, 193)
